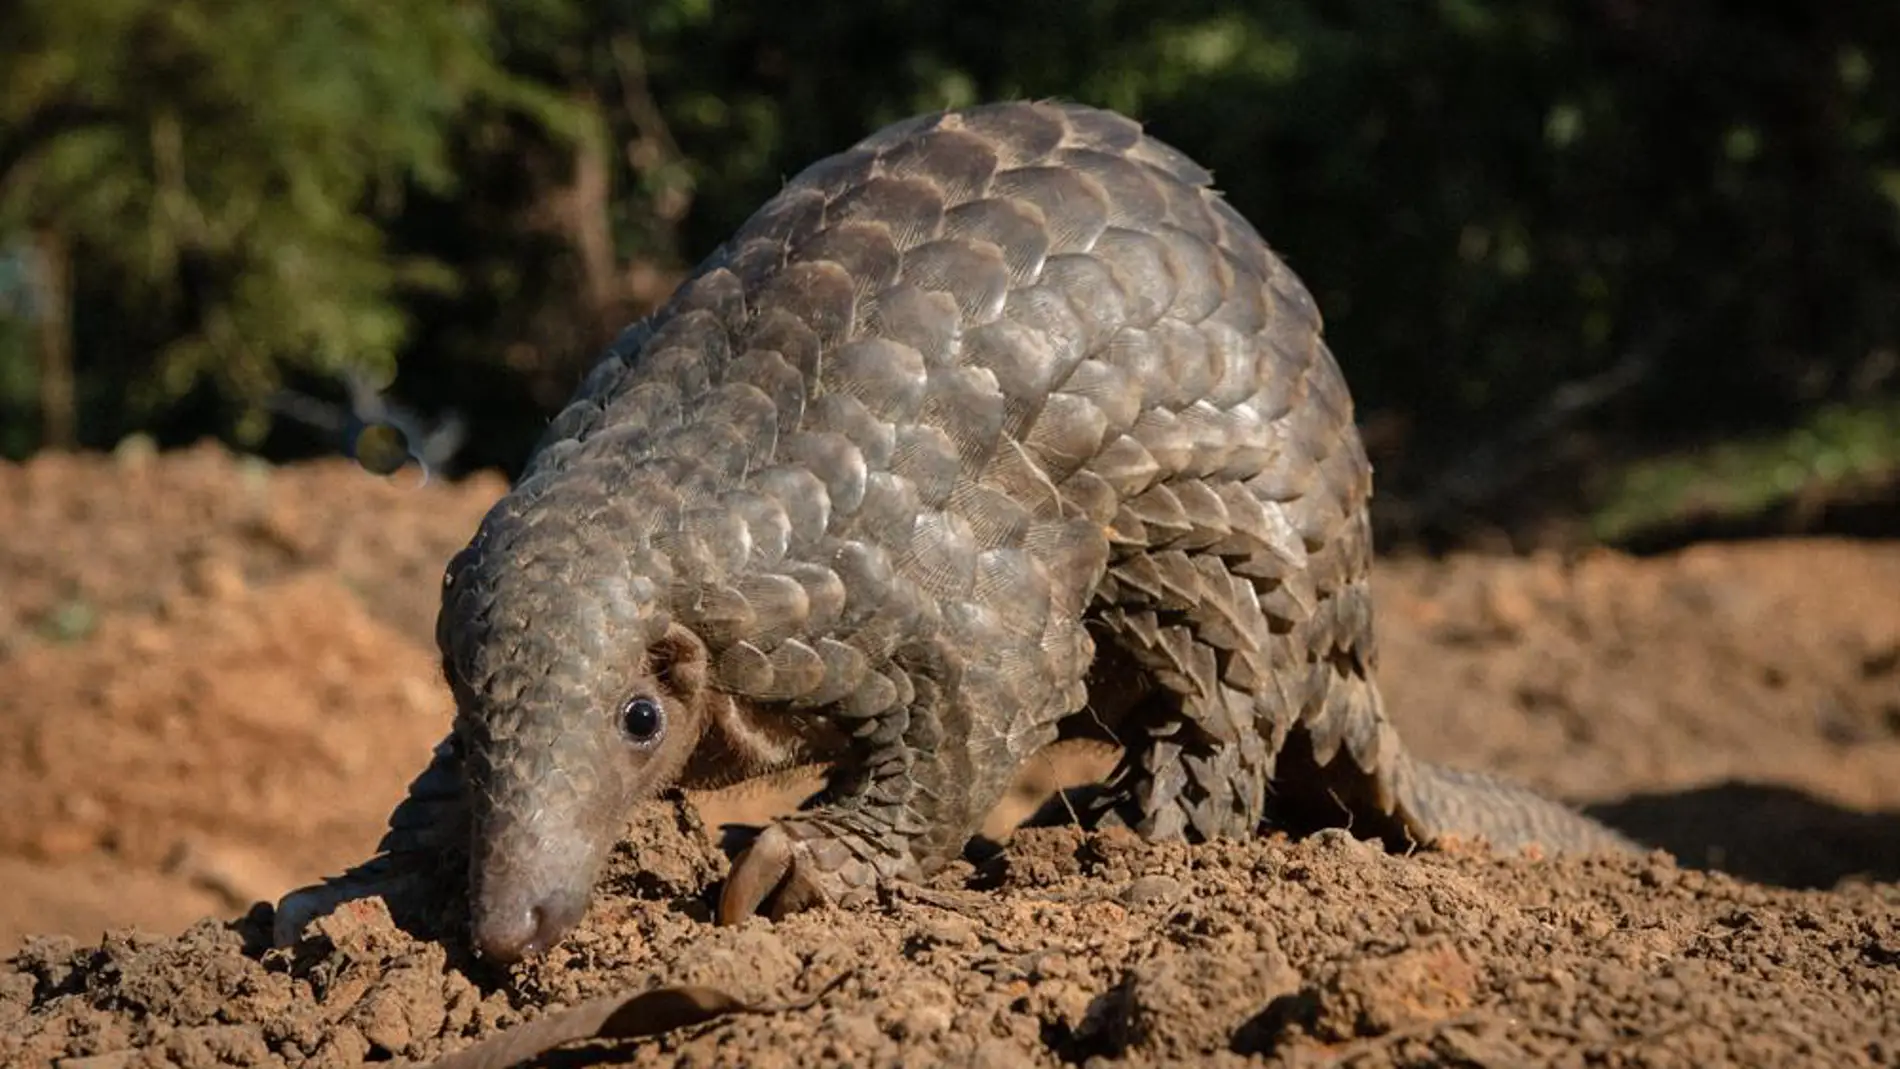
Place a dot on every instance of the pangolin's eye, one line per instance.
(643, 719)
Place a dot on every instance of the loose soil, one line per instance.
(216, 678)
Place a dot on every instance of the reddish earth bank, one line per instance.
(216, 678)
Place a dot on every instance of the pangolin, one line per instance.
(999, 420)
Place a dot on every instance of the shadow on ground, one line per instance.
(1764, 833)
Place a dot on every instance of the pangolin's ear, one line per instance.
(679, 660)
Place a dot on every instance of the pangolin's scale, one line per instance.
(990, 398)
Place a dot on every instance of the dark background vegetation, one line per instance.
(1597, 269)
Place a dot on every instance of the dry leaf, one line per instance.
(614, 1017)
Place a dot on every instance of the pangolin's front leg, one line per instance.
(874, 826)
(977, 700)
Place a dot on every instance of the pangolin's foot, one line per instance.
(805, 862)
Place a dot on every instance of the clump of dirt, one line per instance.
(217, 679)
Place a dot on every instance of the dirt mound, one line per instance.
(216, 678)
(1077, 948)
(180, 746)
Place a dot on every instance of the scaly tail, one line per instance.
(1436, 801)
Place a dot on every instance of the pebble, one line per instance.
(1146, 890)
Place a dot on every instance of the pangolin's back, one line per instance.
(898, 385)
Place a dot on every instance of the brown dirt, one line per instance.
(216, 678)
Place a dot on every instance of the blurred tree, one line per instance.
(215, 171)
(560, 233)
(1549, 236)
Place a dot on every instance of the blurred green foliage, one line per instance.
(1838, 450)
(1493, 201)
(224, 172)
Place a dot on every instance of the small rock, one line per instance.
(1146, 890)
(1339, 840)
(217, 578)
(116, 1060)
(948, 930)
(923, 1022)
(135, 452)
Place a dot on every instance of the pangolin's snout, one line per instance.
(517, 927)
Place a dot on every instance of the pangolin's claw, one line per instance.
(756, 875)
(378, 877)
(791, 867)
(297, 909)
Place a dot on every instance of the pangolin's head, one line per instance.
(575, 699)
